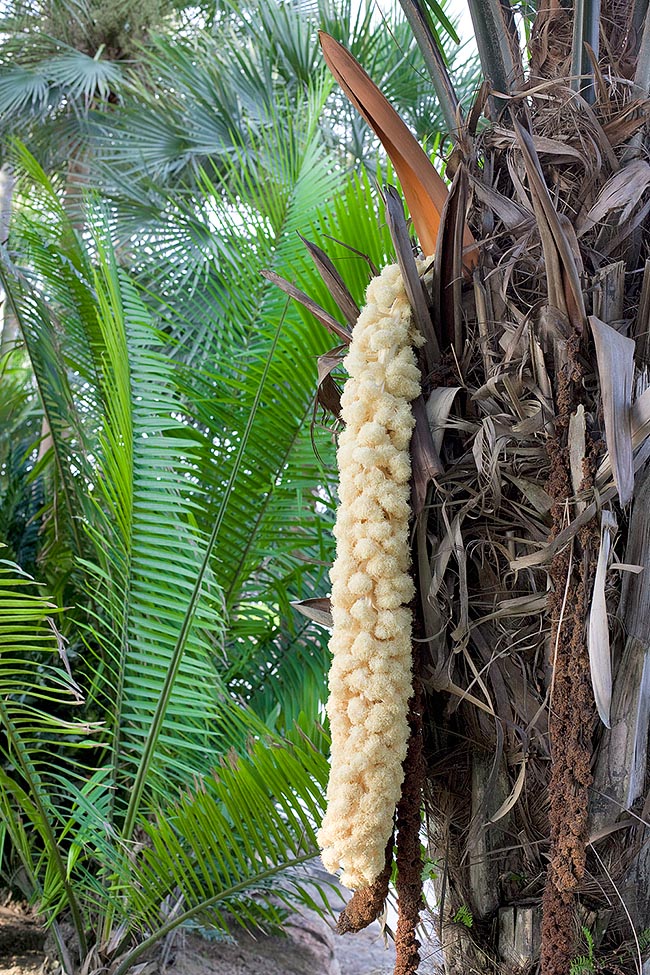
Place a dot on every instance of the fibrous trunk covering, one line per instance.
(370, 679)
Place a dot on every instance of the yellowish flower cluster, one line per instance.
(370, 677)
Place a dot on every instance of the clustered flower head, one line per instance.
(370, 678)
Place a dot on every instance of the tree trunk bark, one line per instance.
(8, 323)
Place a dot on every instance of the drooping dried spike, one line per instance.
(410, 899)
(572, 708)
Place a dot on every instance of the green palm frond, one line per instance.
(23, 90)
(282, 480)
(230, 846)
(35, 738)
(20, 428)
(148, 551)
(155, 637)
(56, 396)
(193, 102)
(208, 106)
(125, 459)
(81, 78)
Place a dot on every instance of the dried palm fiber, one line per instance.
(370, 678)
(512, 488)
(552, 38)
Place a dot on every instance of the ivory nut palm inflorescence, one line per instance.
(370, 678)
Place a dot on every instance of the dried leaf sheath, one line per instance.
(370, 678)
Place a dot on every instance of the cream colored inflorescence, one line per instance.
(370, 677)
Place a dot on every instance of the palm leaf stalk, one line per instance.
(529, 554)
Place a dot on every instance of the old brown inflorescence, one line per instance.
(572, 707)
(409, 856)
(366, 905)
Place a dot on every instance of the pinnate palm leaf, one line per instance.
(34, 739)
(253, 819)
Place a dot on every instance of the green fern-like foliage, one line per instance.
(644, 939)
(158, 705)
(39, 736)
(220, 848)
(584, 964)
(464, 916)
(239, 877)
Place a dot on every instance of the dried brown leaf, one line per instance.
(598, 632)
(323, 316)
(540, 499)
(329, 396)
(319, 610)
(506, 806)
(621, 192)
(640, 424)
(425, 460)
(561, 269)
(577, 446)
(513, 215)
(412, 282)
(334, 282)
(554, 149)
(619, 130)
(438, 408)
(520, 605)
(329, 361)
(615, 357)
(448, 268)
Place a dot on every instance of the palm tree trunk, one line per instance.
(538, 810)
(8, 323)
(533, 546)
